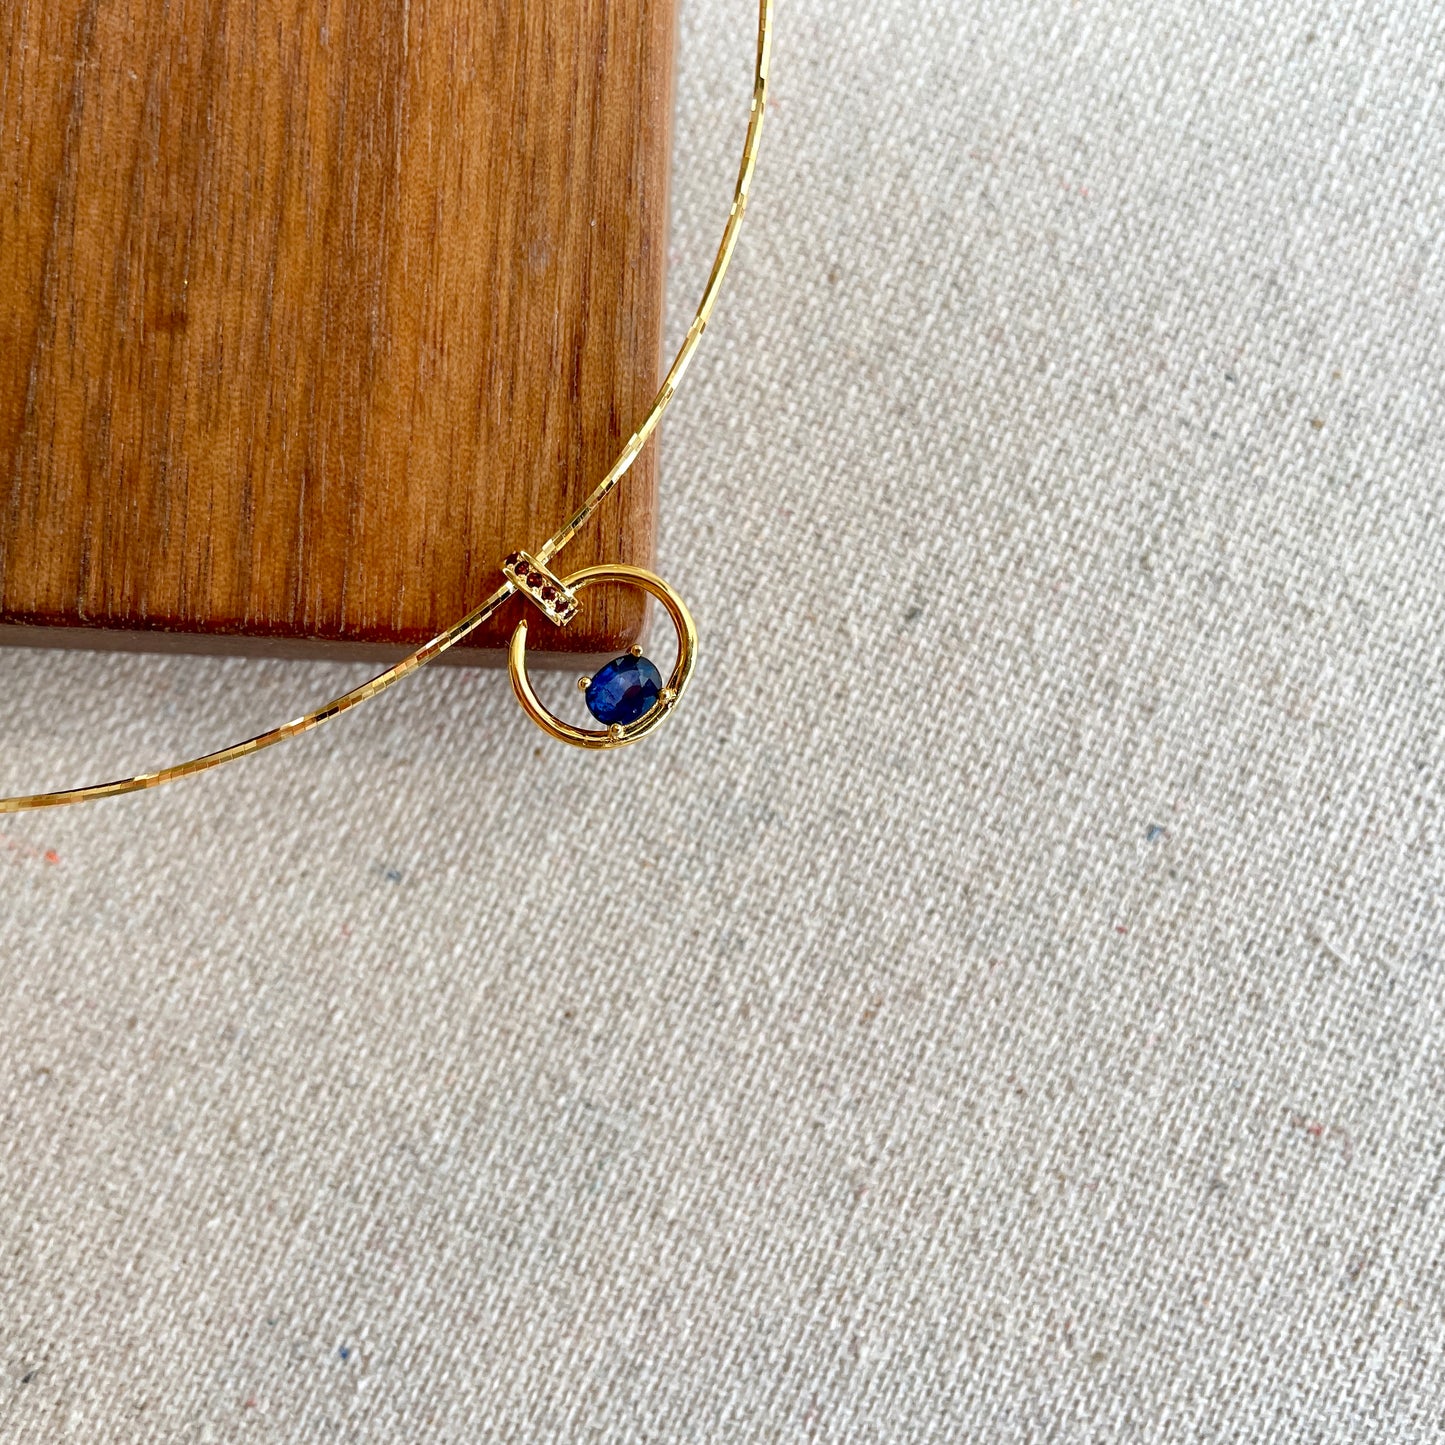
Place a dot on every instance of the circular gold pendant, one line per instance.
(619, 734)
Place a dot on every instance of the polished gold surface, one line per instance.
(618, 735)
(543, 554)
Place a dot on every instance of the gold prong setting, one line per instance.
(632, 699)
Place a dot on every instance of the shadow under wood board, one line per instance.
(311, 313)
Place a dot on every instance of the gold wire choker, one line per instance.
(641, 692)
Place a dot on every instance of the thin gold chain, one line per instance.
(429, 651)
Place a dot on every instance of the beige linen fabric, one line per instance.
(1004, 1004)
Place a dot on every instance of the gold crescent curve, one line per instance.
(619, 735)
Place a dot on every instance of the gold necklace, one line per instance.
(631, 700)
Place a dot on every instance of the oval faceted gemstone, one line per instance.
(623, 691)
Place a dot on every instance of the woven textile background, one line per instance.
(1005, 1003)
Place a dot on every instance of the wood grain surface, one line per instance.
(311, 312)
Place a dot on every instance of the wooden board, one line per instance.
(313, 310)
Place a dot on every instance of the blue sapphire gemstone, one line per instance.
(623, 691)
